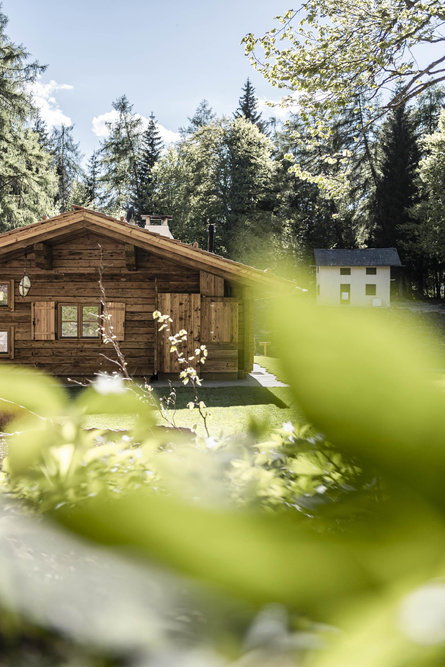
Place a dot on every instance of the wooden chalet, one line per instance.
(55, 327)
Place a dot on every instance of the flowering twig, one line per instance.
(189, 372)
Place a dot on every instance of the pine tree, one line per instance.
(150, 152)
(204, 115)
(395, 192)
(92, 177)
(26, 177)
(119, 159)
(248, 107)
(41, 129)
(85, 189)
(66, 160)
(27, 180)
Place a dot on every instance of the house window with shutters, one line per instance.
(78, 320)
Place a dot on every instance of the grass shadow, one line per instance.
(224, 397)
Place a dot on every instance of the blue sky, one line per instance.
(166, 56)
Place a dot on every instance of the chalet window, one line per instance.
(371, 289)
(371, 270)
(7, 294)
(345, 271)
(6, 343)
(78, 320)
(345, 293)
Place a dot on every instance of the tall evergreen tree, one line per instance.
(85, 190)
(396, 189)
(41, 129)
(150, 152)
(307, 218)
(247, 107)
(204, 115)
(26, 177)
(119, 158)
(92, 177)
(66, 160)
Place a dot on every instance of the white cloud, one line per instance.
(100, 129)
(274, 108)
(168, 136)
(44, 99)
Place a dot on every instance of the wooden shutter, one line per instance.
(219, 320)
(185, 311)
(43, 320)
(211, 285)
(116, 311)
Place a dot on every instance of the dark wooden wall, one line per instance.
(74, 279)
(130, 275)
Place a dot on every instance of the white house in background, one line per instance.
(355, 277)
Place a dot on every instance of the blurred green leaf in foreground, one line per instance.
(338, 525)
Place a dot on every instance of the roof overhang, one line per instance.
(79, 219)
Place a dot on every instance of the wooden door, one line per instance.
(185, 311)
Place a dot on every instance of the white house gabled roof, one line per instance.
(357, 257)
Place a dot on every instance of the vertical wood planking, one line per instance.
(43, 320)
(211, 285)
(11, 295)
(185, 311)
(156, 335)
(219, 320)
(116, 311)
(248, 342)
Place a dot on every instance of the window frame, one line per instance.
(370, 293)
(9, 330)
(345, 287)
(79, 320)
(10, 303)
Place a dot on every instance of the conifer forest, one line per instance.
(245, 174)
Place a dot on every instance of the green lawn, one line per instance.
(231, 408)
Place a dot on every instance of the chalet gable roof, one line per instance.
(81, 218)
(359, 257)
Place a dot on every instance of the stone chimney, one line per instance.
(158, 224)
